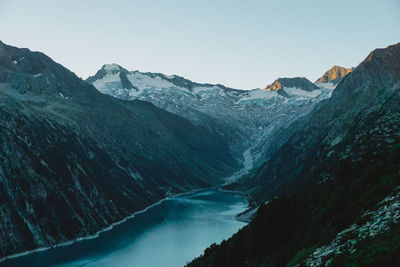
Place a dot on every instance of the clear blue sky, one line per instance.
(242, 44)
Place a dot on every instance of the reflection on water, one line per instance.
(169, 234)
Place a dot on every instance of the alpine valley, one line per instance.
(318, 162)
(329, 196)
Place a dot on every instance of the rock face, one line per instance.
(296, 82)
(73, 160)
(334, 75)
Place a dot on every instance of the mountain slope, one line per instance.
(73, 161)
(331, 191)
(361, 114)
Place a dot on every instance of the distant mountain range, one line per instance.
(245, 118)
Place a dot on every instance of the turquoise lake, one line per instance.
(171, 233)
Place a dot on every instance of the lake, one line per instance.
(171, 233)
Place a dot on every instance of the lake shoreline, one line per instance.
(111, 226)
(220, 187)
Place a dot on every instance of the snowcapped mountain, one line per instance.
(115, 80)
(246, 117)
(299, 89)
(172, 93)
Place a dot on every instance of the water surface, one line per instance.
(169, 234)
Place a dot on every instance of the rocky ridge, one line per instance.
(334, 75)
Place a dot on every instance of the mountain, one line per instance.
(361, 110)
(330, 194)
(334, 75)
(247, 119)
(177, 95)
(296, 89)
(296, 82)
(74, 161)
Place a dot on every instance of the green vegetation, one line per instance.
(301, 256)
(383, 250)
(289, 228)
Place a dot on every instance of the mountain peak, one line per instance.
(113, 68)
(298, 82)
(275, 86)
(334, 75)
(107, 69)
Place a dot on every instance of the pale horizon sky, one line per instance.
(240, 44)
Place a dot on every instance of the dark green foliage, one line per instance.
(289, 228)
(340, 160)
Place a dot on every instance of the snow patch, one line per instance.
(200, 89)
(257, 94)
(294, 91)
(108, 83)
(66, 97)
(330, 86)
(247, 166)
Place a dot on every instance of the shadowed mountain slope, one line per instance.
(330, 194)
(73, 161)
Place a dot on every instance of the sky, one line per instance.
(240, 44)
